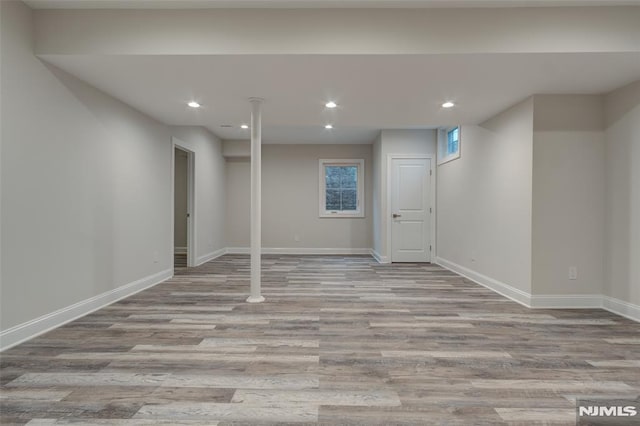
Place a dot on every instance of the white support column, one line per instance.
(256, 199)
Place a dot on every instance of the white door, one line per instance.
(410, 210)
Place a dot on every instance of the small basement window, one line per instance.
(448, 144)
(341, 188)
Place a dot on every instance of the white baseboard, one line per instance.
(237, 250)
(317, 251)
(588, 301)
(566, 301)
(622, 308)
(210, 256)
(506, 290)
(30, 329)
(302, 251)
(547, 301)
(180, 250)
(377, 256)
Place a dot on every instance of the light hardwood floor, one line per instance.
(340, 340)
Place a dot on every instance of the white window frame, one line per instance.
(324, 213)
(443, 142)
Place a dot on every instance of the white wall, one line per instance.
(86, 201)
(209, 187)
(394, 142)
(568, 194)
(484, 199)
(290, 200)
(180, 197)
(622, 262)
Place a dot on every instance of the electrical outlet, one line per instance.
(296, 238)
(155, 257)
(573, 272)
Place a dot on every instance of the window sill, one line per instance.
(448, 159)
(341, 215)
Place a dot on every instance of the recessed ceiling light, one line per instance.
(329, 126)
(244, 126)
(331, 104)
(448, 104)
(194, 104)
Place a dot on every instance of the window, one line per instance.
(448, 144)
(341, 188)
(452, 141)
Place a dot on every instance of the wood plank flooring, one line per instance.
(340, 340)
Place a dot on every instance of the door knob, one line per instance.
(396, 215)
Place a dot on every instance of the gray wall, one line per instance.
(568, 194)
(86, 201)
(622, 247)
(485, 196)
(180, 197)
(86, 192)
(551, 183)
(290, 199)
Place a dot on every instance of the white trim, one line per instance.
(566, 301)
(378, 257)
(432, 200)
(318, 251)
(322, 211)
(302, 251)
(501, 288)
(588, 301)
(30, 329)
(622, 308)
(237, 250)
(210, 256)
(547, 301)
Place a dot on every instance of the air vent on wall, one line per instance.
(226, 125)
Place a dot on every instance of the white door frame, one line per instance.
(191, 200)
(432, 200)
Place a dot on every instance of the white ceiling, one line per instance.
(203, 4)
(373, 91)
